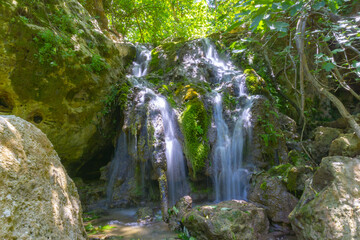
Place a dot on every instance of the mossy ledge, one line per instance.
(194, 123)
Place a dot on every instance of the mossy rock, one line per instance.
(227, 220)
(54, 76)
(194, 122)
(255, 84)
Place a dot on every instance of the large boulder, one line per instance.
(38, 199)
(57, 70)
(347, 145)
(271, 194)
(322, 138)
(235, 219)
(329, 207)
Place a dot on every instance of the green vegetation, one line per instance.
(51, 47)
(194, 125)
(116, 97)
(98, 64)
(229, 101)
(88, 216)
(270, 134)
(154, 21)
(254, 83)
(91, 230)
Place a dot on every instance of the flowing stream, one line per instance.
(230, 175)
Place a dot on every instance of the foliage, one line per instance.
(153, 21)
(183, 236)
(173, 211)
(51, 46)
(270, 134)
(332, 39)
(116, 97)
(98, 64)
(194, 125)
(88, 216)
(229, 100)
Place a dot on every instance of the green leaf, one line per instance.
(279, 26)
(295, 8)
(328, 66)
(235, 25)
(256, 21)
(318, 5)
(337, 50)
(222, 17)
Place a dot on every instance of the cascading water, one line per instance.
(119, 162)
(176, 171)
(176, 174)
(230, 176)
(140, 65)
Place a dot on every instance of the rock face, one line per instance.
(347, 145)
(271, 194)
(57, 69)
(320, 146)
(329, 206)
(38, 199)
(234, 219)
(268, 145)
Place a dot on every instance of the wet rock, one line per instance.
(38, 198)
(271, 194)
(347, 145)
(176, 213)
(320, 146)
(329, 206)
(235, 219)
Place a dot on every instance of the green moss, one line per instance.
(280, 170)
(291, 179)
(296, 158)
(155, 59)
(191, 218)
(229, 101)
(194, 125)
(254, 83)
(263, 186)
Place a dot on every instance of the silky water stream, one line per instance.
(124, 221)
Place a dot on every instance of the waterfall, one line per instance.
(230, 176)
(141, 63)
(176, 174)
(118, 166)
(156, 104)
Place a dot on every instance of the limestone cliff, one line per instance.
(57, 69)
